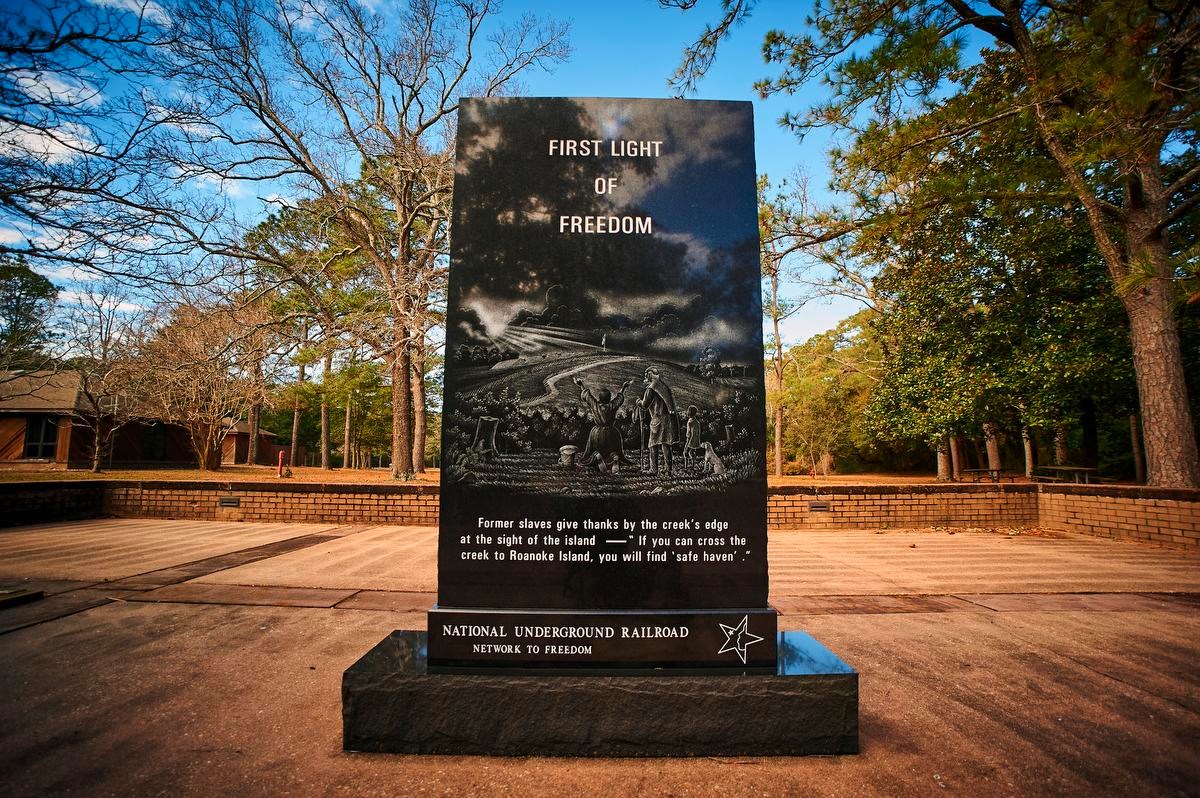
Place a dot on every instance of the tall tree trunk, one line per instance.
(1062, 453)
(1027, 439)
(955, 458)
(993, 446)
(401, 407)
(296, 406)
(1169, 437)
(97, 447)
(1139, 457)
(1172, 457)
(254, 422)
(944, 470)
(778, 439)
(207, 446)
(346, 454)
(418, 405)
(292, 454)
(1091, 436)
(254, 416)
(777, 363)
(326, 375)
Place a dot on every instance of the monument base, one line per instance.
(610, 643)
(391, 703)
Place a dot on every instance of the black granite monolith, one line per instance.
(603, 485)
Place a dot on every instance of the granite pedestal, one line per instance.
(391, 702)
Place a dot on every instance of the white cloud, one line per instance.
(78, 298)
(634, 305)
(67, 274)
(194, 129)
(689, 139)
(9, 235)
(51, 87)
(147, 9)
(230, 188)
(57, 145)
(304, 14)
(698, 252)
(495, 313)
(18, 232)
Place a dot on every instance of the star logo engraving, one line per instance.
(738, 638)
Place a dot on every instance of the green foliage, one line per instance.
(964, 167)
(314, 272)
(827, 382)
(433, 439)
(996, 316)
(361, 384)
(372, 419)
(279, 421)
(26, 300)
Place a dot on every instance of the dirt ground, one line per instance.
(204, 659)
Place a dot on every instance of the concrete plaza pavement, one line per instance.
(200, 658)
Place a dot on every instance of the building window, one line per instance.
(41, 437)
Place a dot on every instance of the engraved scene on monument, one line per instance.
(603, 430)
(603, 330)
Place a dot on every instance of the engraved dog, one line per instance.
(712, 461)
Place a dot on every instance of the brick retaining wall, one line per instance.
(1166, 517)
(269, 501)
(1157, 515)
(858, 506)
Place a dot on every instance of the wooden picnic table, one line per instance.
(1080, 474)
(994, 474)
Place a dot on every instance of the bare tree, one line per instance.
(298, 398)
(822, 264)
(354, 108)
(83, 188)
(194, 371)
(99, 338)
(777, 308)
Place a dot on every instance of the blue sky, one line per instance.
(628, 48)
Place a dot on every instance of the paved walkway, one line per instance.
(193, 658)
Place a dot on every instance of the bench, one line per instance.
(992, 474)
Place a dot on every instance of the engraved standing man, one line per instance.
(664, 426)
